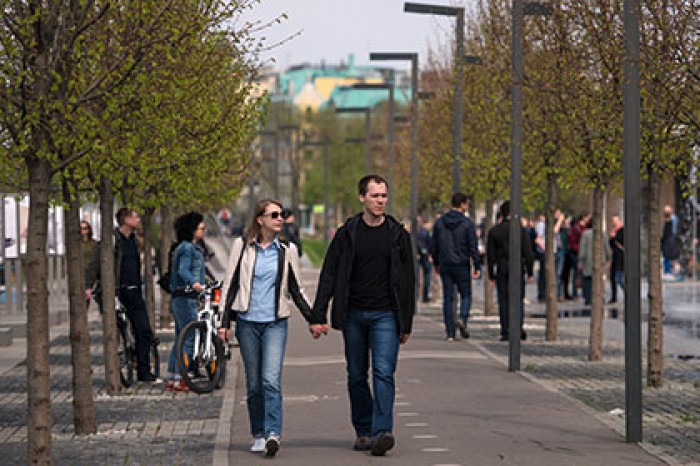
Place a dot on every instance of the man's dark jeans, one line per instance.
(371, 333)
(132, 299)
(503, 313)
(452, 275)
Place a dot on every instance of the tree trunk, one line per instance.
(489, 305)
(38, 381)
(655, 334)
(83, 404)
(166, 238)
(549, 265)
(107, 284)
(150, 296)
(595, 348)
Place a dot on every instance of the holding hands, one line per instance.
(317, 330)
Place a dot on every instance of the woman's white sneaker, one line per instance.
(258, 445)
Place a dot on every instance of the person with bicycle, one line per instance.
(186, 282)
(127, 270)
(263, 280)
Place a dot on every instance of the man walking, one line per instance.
(369, 272)
(455, 250)
(497, 253)
(127, 269)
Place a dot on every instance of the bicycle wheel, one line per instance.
(126, 356)
(209, 358)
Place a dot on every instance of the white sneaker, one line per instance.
(272, 445)
(258, 445)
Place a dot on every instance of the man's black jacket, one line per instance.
(497, 247)
(334, 282)
(454, 241)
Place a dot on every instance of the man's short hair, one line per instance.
(458, 199)
(364, 181)
(505, 210)
(121, 215)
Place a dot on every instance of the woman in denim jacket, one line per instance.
(186, 282)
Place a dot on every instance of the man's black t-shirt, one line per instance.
(130, 271)
(369, 283)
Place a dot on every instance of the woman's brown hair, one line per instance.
(254, 231)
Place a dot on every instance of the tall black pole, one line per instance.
(457, 121)
(326, 206)
(390, 136)
(414, 147)
(632, 185)
(515, 272)
(368, 139)
(276, 166)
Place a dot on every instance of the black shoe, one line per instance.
(612, 301)
(362, 443)
(150, 378)
(272, 445)
(462, 329)
(523, 335)
(504, 337)
(382, 443)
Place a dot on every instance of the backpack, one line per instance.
(164, 280)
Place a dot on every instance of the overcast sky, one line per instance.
(330, 30)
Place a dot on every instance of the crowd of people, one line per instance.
(368, 280)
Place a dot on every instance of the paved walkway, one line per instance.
(457, 405)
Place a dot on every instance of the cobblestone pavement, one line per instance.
(671, 418)
(145, 425)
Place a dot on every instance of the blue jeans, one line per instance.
(427, 269)
(262, 348)
(668, 266)
(559, 267)
(184, 311)
(372, 333)
(452, 275)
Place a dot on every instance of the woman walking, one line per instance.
(263, 280)
(186, 282)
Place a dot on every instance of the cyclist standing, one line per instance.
(127, 269)
(186, 282)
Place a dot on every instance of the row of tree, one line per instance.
(573, 128)
(573, 124)
(149, 101)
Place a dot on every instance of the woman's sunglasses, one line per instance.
(275, 215)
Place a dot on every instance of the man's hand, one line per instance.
(317, 330)
(197, 287)
(476, 274)
(88, 294)
(403, 338)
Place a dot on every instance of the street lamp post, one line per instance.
(368, 112)
(632, 182)
(458, 13)
(295, 163)
(515, 273)
(413, 58)
(275, 161)
(326, 207)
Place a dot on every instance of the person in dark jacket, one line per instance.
(127, 279)
(369, 273)
(497, 253)
(669, 247)
(290, 229)
(455, 251)
(423, 257)
(617, 264)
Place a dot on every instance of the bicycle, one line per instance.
(126, 347)
(209, 352)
